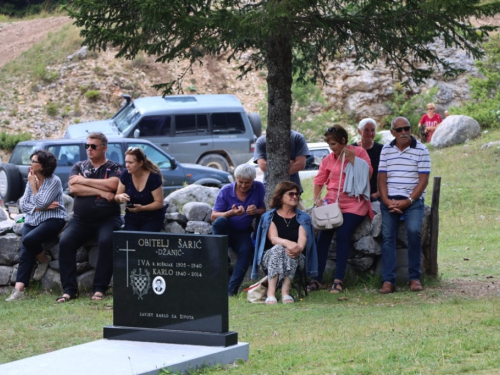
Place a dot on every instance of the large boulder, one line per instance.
(193, 193)
(455, 130)
(10, 245)
(197, 211)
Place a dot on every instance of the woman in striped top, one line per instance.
(45, 213)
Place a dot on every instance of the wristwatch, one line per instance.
(411, 200)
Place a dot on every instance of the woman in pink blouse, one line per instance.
(354, 208)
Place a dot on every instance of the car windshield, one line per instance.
(126, 117)
(21, 155)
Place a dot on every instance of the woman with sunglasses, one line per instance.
(429, 123)
(354, 208)
(283, 235)
(45, 218)
(141, 188)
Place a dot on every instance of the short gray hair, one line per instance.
(365, 121)
(245, 171)
(400, 118)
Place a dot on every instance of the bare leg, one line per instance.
(19, 286)
(42, 257)
(271, 288)
(285, 288)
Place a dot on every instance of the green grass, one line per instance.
(438, 331)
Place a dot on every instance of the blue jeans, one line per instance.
(33, 237)
(343, 240)
(75, 235)
(241, 242)
(413, 216)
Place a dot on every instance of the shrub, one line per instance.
(92, 95)
(9, 141)
(51, 109)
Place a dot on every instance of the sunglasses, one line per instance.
(331, 129)
(93, 147)
(293, 194)
(132, 148)
(405, 128)
(430, 108)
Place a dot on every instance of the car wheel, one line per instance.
(256, 123)
(215, 161)
(10, 183)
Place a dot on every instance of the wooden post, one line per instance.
(433, 263)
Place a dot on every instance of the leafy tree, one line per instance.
(287, 37)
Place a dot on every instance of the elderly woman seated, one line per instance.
(283, 235)
(235, 207)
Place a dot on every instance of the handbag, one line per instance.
(329, 216)
(257, 293)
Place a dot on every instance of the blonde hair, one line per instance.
(431, 105)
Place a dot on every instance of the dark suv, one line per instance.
(13, 175)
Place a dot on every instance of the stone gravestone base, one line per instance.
(110, 357)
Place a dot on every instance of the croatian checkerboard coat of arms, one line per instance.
(140, 282)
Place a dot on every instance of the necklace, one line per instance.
(288, 222)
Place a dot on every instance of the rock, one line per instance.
(454, 130)
(10, 245)
(83, 267)
(174, 227)
(376, 207)
(193, 193)
(175, 216)
(6, 226)
(82, 254)
(68, 203)
(5, 273)
(171, 206)
(54, 265)
(86, 280)
(361, 230)
(3, 214)
(200, 227)
(387, 137)
(13, 277)
(17, 228)
(80, 54)
(197, 211)
(361, 264)
(490, 144)
(53, 250)
(51, 280)
(368, 246)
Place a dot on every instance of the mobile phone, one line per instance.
(130, 205)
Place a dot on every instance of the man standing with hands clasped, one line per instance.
(403, 176)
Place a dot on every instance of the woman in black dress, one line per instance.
(141, 189)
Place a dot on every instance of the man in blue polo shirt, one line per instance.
(235, 208)
(403, 175)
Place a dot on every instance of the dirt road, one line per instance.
(17, 37)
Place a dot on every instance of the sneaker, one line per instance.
(15, 295)
(41, 269)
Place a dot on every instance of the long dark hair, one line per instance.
(141, 156)
(280, 190)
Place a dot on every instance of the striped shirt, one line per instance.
(50, 191)
(403, 167)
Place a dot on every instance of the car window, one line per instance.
(126, 117)
(66, 155)
(314, 160)
(21, 155)
(227, 123)
(191, 124)
(114, 153)
(154, 126)
(157, 157)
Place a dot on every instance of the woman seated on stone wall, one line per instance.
(45, 213)
(354, 207)
(283, 235)
(141, 188)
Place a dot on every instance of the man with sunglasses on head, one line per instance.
(403, 175)
(93, 183)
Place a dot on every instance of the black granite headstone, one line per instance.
(170, 288)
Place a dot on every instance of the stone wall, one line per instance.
(194, 217)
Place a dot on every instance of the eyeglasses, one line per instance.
(34, 161)
(92, 146)
(405, 128)
(331, 129)
(293, 194)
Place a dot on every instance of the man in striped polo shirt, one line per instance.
(403, 175)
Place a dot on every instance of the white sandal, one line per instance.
(287, 299)
(271, 301)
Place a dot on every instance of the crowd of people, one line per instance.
(279, 242)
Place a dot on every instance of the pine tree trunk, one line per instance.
(279, 87)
